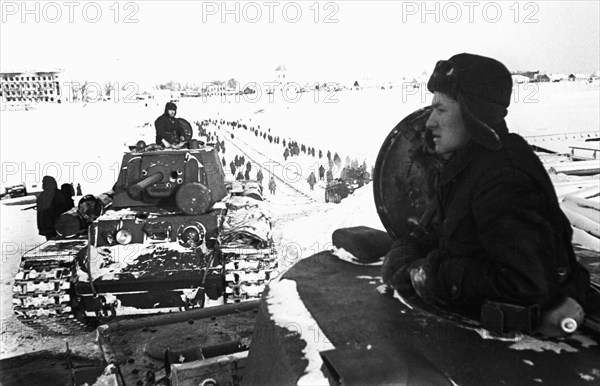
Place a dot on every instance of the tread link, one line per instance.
(248, 272)
(42, 297)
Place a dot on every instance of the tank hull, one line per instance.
(387, 339)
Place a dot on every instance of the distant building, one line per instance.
(542, 78)
(280, 74)
(518, 79)
(578, 77)
(282, 77)
(30, 86)
(557, 77)
(529, 74)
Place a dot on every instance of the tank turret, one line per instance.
(185, 180)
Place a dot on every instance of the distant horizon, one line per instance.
(147, 40)
(66, 76)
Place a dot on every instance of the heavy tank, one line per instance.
(157, 245)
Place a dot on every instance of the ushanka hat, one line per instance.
(482, 86)
(171, 106)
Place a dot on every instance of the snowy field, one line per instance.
(84, 144)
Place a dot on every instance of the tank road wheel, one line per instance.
(87, 322)
(106, 314)
(108, 311)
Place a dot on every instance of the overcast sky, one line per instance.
(154, 41)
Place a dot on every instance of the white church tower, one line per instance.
(281, 76)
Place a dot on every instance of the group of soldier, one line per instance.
(240, 168)
(51, 203)
(293, 148)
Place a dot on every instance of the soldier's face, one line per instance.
(171, 113)
(446, 125)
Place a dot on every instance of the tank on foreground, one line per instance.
(157, 245)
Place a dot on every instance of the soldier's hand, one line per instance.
(424, 278)
(396, 265)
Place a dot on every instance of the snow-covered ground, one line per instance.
(84, 144)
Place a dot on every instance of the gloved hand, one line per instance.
(396, 264)
(424, 278)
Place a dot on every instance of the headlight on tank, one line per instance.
(123, 236)
(191, 235)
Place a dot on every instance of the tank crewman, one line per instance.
(499, 233)
(168, 127)
(89, 209)
(51, 203)
(321, 173)
(74, 223)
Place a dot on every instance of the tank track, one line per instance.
(42, 297)
(247, 272)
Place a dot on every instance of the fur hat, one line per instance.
(170, 106)
(482, 86)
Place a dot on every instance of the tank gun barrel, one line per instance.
(135, 191)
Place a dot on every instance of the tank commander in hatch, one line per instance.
(499, 233)
(168, 127)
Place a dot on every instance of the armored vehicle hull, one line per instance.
(168, 237)
(348, 328)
